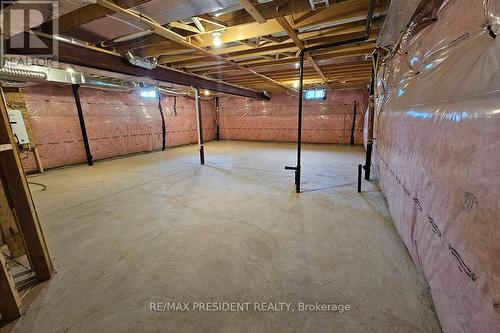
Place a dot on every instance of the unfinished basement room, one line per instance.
(249, 166)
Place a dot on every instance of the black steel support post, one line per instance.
(360, 175)
(199, 125)
(354, 122)
(163, 127)
(217, 133)
(361, 39)
(299, 126)
(371, 118)
(79, 109)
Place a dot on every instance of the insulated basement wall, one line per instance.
(118, 123)
(328, 121)
(437, 153)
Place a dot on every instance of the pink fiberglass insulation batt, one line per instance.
(328, 121)
(117, 123)
(437, 152)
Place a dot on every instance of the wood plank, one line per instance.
(19, 195)
(10, 302)
(183, 26)
(5, 147)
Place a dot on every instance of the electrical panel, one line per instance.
(18, 127)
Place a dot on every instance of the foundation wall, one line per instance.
(328, 121)
(117, 123)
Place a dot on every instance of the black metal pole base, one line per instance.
(368, 164)
(360, 172)
(202, 155)
(297, 177)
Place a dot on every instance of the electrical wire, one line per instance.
(44, 188)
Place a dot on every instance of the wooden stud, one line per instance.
(38, 160)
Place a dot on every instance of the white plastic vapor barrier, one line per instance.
(437, 154)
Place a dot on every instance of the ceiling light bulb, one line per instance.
(296, 84)
(207, 92)
(297, 65)
(216, 38)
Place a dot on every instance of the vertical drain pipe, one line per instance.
(199, 124)
(353, 123)
(217, 133)
(163, 126)
(76, 94)
(299, 126)
(365, 37)
(371, 116)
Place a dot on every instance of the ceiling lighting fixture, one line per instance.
(296, 84)
(207, 92)
(216, 38)
(297, 65)
(149, 93)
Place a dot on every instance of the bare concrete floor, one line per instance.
(161, 228)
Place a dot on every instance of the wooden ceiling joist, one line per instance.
(251, 9)
(255, 52)
(169, 34)
(293, 35)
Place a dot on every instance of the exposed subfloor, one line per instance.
(159, 227)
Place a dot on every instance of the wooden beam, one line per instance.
(183, 26)
(330, 54)
(316, 67)
(10, 302)
(251, 9)
(193, 62)
(212, 20)
(18, 193)
(198, 23)
(268, 10)
(278, 48)
(289, 30)
(348, 9)
(293, 35)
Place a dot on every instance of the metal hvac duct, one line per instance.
(141, 62)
